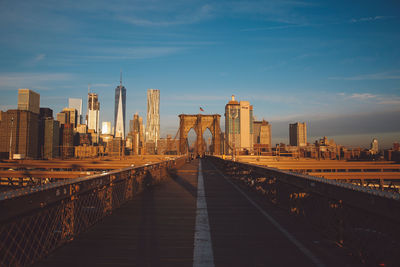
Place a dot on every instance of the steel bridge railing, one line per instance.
(35, 221)
(364, 221)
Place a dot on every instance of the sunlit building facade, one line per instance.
(119, 111)
(106, 127)
(76, 103)
(153, 116)
(93, 114)
(298, 134)
(239, 132)
(28, 100)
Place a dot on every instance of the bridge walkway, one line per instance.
(157, 228)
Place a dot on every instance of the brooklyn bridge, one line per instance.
(199, 211)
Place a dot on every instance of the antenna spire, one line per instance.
(120, 78)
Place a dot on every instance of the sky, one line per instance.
(332, 64)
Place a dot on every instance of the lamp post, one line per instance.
(234, 115)
(11, 136)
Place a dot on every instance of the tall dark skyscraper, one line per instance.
(298, 134)
(119, 111)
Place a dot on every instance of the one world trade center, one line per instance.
(119, 112)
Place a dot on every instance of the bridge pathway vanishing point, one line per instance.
(157, 228)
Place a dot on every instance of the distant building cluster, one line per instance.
(246, 136)
(33, 132)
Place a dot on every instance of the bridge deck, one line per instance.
(157, 228)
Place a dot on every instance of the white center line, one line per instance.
(288, 235)
(203, 253)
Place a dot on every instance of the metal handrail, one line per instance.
(35, 221)
(364, 221)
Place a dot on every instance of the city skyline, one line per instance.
(334, 65)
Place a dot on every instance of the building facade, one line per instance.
(19, 133)
(238, 126)
(119, 111)
(51, 138)
(93, 114)
(45, 113)
(262, 133)
(153, 116)
(76, 103)
(246, 126)
(72, 116)
(374, 149)
(136, 132)
(28, 100)
(67, 141)
(298, 134)
(232, 125)
(106, 127)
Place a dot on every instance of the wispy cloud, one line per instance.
(116, 53)
(29, 80)
(31, 62)
(363, 96)
(53, 98)
(388, 100)
(279, 27)
(389, 75)
(365, 19)
(198, 14)
(196, 98)
(39, 57)
(101, 85)
(276, 98)
(359, 96)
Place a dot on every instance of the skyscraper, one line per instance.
(106, 127)
(136, 131)
(119, 111)
(298, 134)
(238, 125)
(71, 116)
(51, 138)
(28, 100)
(374, 146)
(153, 116)
(93, 114)
(232, 125)
(246, 125)
(19, 133)
(262, 133)
(76, 103)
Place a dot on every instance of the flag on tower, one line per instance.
(201, 109)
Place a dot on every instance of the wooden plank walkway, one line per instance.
(157, 227)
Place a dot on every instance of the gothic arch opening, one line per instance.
(200, 123)
(192, 141)
(207, 140)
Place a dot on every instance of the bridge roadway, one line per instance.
(157, 228)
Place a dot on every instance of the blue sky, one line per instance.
(332, 64)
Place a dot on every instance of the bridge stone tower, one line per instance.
(200, 123)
